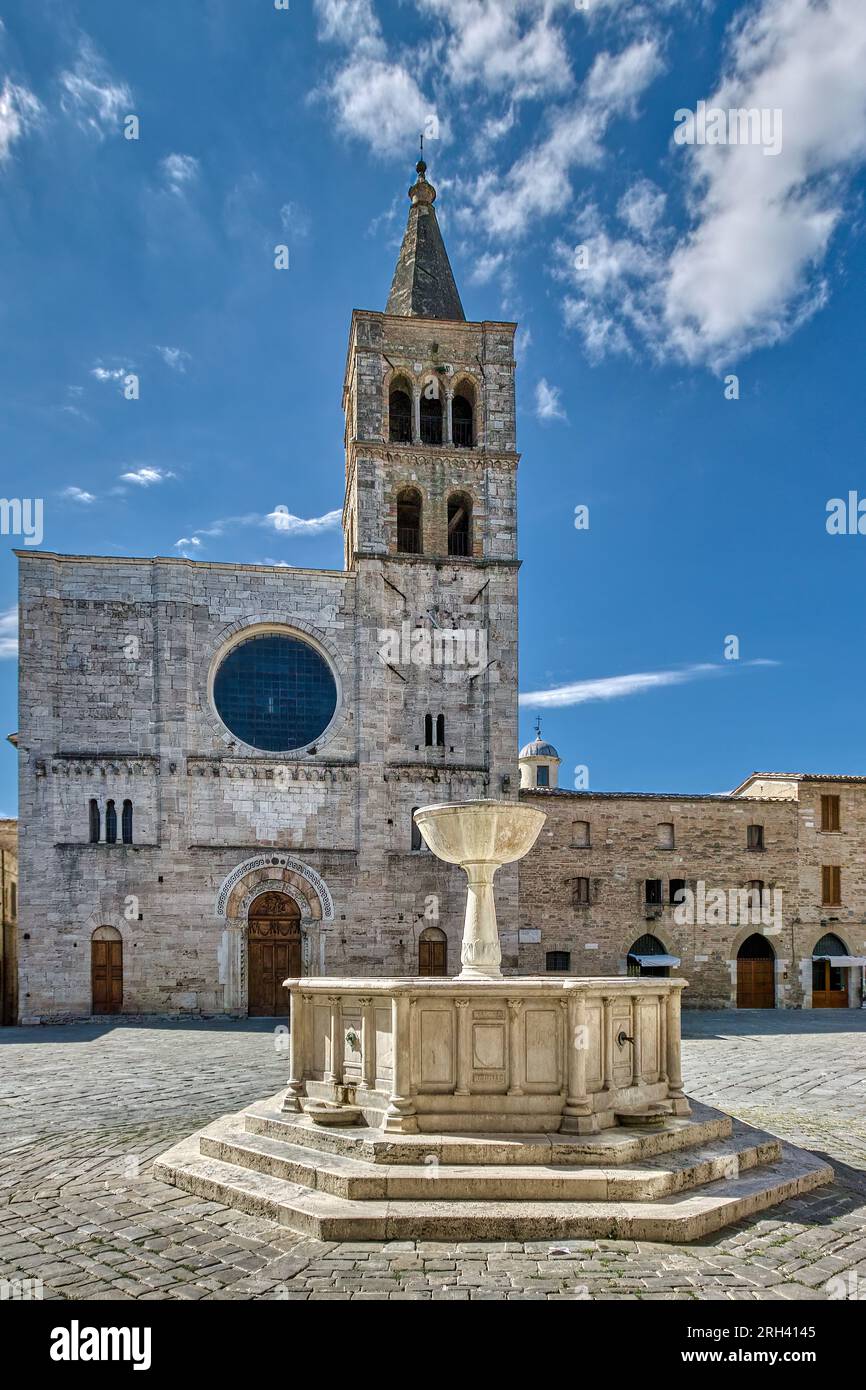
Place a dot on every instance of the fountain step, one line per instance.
(610, 1148)
(356, 1180)
(681, 1216)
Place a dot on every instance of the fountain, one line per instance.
(487, 1106)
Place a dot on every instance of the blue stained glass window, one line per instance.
(275, 692)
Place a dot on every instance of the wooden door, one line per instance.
(274, 954)
(755, 983)
(432, 957)
(829, 985)
(106, 972)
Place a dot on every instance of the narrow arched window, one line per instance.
(461, 422)
(409, 521)
(440, 731)
(431, 414)
(110, 824)
(428, 730)
(126, 823)
(459, 524)
(94, 821)
(400, 414)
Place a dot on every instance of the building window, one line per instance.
(459, 524)
(665, 835)
(94, 822)
(275, 692)
(440, 731)
(110, 824)
(580, 892)
(126, 823)
(653, 892)
(431, 414)
(831, 885)
(409, 506)
(646, 945)
(542, 776)
(428, 731)
(756, 893)
(676, 891)
(580, 834)
(830, 813)
(461, 422)
(755, 837)
(418, 841)
(400, 415)
(557, 960)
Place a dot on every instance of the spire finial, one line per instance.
(538, 727)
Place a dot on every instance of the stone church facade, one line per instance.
(218, 763)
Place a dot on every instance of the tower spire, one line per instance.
(423, 284)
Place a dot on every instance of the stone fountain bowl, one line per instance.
(492, 832)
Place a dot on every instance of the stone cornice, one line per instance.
(264, 769)
(414, 454)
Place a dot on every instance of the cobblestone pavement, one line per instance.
(85, 1108)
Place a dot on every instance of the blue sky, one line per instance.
(555, 122)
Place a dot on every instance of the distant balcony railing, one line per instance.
(462, 433)
(400, 429)
(408, 540)
(431, 429)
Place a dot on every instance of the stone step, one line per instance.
(680, 1217)
(356, 1180)
(611, 1148)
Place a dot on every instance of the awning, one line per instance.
(843, 960)
(654, 960)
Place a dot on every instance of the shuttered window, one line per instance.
(831, 885)
(829, 813)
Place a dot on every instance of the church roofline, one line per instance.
(727, 797)
(30, 554)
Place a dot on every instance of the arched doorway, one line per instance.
(273, 953)
(432, 952)
(829, 980)
(639, 958)
(756, 980)
(106, 971)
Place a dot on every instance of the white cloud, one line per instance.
(295, 219)
(618, 687)
(750, 269)
(547, 402)
(380, 102)
(179, 170)
(108, 373)
(9, 633)
(174, 357)
(146, 477)
(537, 184)
(89, 93)
(286, 524)
(513, 47)
(485, 266)
(352, 23)
(77, 494)
(20, 111)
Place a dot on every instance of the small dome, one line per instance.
(538, 749)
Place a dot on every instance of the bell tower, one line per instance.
(429, 404)
(430, 530)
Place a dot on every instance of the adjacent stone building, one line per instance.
(218, 763)
(8, 921)
(758, 897)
